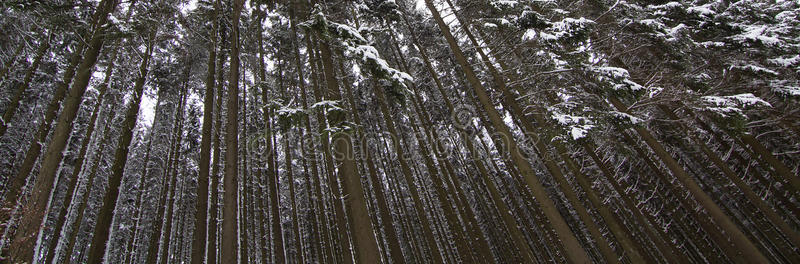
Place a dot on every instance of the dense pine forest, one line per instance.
(399, 131)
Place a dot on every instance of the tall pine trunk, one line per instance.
(104, 217)
(364, 243)
(84, 200)
(174, 191)
(62, 215)
(11, 109)
(22, 247)
(199, 235)
(15, 187)
(213, 210)
(745, 250)
(576, 252)
(230, 180)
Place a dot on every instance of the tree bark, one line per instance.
(83, 203)
(62, 215)
(754, 198)
(211, 251)
(364, 243)
(164, 205)
(230, 180)
(32, 154)
(576, 253)
(36, 210)
(173, 170)
(341, 238)
(746, 250)
(316, 80)
(105, 216)
(11, 109)
(273, 184)
(199, 236)
(307, 126)
(10, 63)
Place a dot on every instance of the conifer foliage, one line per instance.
(400, 131)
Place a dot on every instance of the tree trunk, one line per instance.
(746, 250)
(199, 236)
(104, 217)
(211, 251)
(36, 210)
(754, 198)
(11, 109)
(83, 203)
(164, 206)
(173, 170)
(307, 125)
(10, 63)
(32, 154)
(139, 211)
(782, 172)
(451, 179)
(273, 182)
(340, 220)
(576, 252)
(327, 247)
(657, 236)
(364, 243)
(62, 215)
(230, 180)
(508, 219)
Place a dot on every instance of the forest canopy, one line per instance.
(399, 131)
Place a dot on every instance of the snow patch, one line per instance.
(618, 78)
(500, 4)
(702, 10)
(577, 126)
(757, 34)
(369, 54)
(755, 69)
(626, 118)
(786, 88)
(530, 35)
(733, 104)
(784, 61)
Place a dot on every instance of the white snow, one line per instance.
(618, 78)
(660, 10)
(785, 87)
(676, 30)
(653, 23)
(530, 35)
(290, 111)
(755, 69)
(784, 61)
(368, 54)
(348, 32)
(577, 126)
(578, 133)
(757, 34)
(326, 105)
(712, 44)
(569, 26)
(669, 5)
(499, 4)
(613, 72)
(188, 7)
(733, 103)
(628, 118)
(703, 10)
